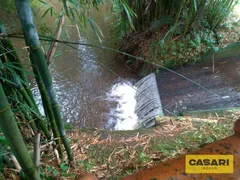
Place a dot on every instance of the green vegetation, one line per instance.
(190, 14)
(9, 15)
(173, 33)
(115, 154)
(170, 33)
(122, 153)
(16, 86)
(42, 73)
(28, 124)
(14, 138)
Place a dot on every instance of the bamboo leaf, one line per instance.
(51, 11)
(195, 5)
(45, 13)
(129, 15)
(57, 54)
(6, 80)
(80, 19)
(84, 20)
(75, 3)
(45, 3)
(3, 141)
(72, 13)
(98, 28)
(10, 66)
(131, 12)
(9, 69)
(91, 22)
(65, 7)
(23, 82)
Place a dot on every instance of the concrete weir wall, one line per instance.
(148, 102)
(180, 95)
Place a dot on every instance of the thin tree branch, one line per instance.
(37, 150)
(53, 46)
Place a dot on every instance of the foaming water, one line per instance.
(122, 115)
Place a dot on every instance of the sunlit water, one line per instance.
(122, 116)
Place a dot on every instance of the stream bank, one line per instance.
(178, 53)
(172, 49)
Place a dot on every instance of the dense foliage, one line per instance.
(172, 33)
(191, 14)
(26, 123)
(170, 19)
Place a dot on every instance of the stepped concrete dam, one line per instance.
(205, 86)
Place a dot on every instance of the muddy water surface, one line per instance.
(89, 94)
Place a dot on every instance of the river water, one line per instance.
(89, 94)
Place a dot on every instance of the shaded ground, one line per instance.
(179, 95)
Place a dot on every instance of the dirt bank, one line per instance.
(178, 50)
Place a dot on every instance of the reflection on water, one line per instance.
(89, 94)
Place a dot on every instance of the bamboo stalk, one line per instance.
(37, 56)
(48, 110)
(190, 15)
(37, 150)
(179, 11)
(47, 106)
(40, 122)
(14, 138)
(25, 92)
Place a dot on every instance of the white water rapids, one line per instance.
(122, 115)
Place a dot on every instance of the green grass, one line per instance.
(129, 155)
(113, 155)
